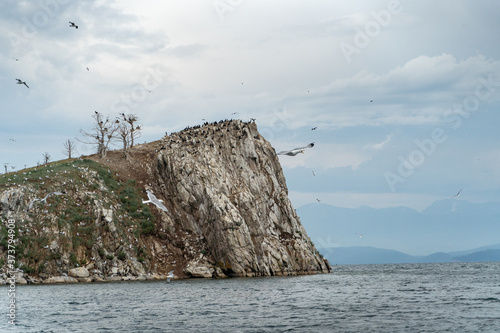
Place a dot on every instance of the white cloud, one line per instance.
(380, 145)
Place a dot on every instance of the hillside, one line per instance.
(228, 212)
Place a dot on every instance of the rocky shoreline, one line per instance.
(76, 275)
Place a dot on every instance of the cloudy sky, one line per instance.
(405, 94)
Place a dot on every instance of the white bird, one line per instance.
(19, 81)
(154, 200)
(360, 235)
(296, 151)
(72, 25)
(44, 200)
(170, 276)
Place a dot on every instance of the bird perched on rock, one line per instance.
(296, 151)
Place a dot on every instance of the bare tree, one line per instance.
(124, 133)
(134, 130)
(102, 135)
(69, 148)
(46, 157)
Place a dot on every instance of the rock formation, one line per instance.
(228, 212)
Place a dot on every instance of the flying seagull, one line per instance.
(72, 25)
(170, 276)
(154, 200)
(16, 59)
(458, 193)
(19, 81)
(314, 128)
(360, 235)
(296, 151)
(44, 200)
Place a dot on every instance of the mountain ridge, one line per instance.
(358, 255)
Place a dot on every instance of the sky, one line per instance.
(405, 94)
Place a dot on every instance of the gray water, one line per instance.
(452, 297)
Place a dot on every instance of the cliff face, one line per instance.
(224, 184)
(228, 212)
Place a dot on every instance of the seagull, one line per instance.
(154, 200)
(72, 25)
(371, 100)
(314, 173)
(318, 200)
(88, 69)
(314, 128)
(44, 200)
(296, 151)
(170, 276)
(16, 59)
(19, 81)
(458, 193)
(12, 140)
(360, 235)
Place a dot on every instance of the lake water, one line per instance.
(451, 297)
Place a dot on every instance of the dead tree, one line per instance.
(124, 134)
(102, 135)
(46, 157)
(134, 130)
(69, 148)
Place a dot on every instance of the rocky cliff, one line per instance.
(228, 212)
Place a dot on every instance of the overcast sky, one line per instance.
(405, 94)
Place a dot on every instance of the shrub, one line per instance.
(122, 255)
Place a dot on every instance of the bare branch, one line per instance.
(102, 135)
(69, 148)
(134, 130)
(46, 157)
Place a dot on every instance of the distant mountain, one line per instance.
(445, 226)
(486, 255)
(358, 255)
(438, 257)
